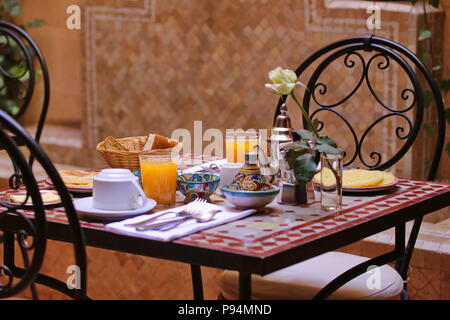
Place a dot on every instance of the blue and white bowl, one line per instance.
(243, 199)
(197, 185)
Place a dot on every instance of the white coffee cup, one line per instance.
(117, 189)
(228, 172)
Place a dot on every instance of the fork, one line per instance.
(187, 211)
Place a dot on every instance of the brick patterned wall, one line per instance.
(157, 65)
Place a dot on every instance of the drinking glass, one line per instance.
(159, 178)
(331, 182)
(238, 143)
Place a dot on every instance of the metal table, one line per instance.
(277, 238)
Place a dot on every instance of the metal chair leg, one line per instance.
(197, 283)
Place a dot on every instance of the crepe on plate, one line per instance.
(47, 198)
(357, 178)
(78, 178)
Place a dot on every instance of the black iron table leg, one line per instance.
(245, 286)
(197, 283)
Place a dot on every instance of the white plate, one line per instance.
(84, 208)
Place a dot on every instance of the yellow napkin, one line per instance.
(357, 178)
(47, 198)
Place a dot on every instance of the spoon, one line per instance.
(168, 225)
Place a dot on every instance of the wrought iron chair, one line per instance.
(21, 222)
(18, 73)
(337, 275)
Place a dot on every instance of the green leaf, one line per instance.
(427, 98)
(298, 145)
(304, 168)
(447, 115)
(425, 56)
(326, 140)
(424, 34)
(35, 23)
(445, 85)
(326, 148)
(447, 148)
(305, 134)
(436, 68)
(295, 150)
(428, 128)
(434, 3)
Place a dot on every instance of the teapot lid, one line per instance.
(283, 120)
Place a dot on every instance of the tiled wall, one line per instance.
(157, 65)
(160, 65)
(154, 65)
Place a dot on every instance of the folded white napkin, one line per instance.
(188, 227)
(204, 166)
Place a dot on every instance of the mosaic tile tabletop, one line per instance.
(282, 227)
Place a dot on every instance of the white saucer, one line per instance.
(84, 208)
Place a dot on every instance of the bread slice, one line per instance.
(111, 143)
(132, 145)
(149, 143)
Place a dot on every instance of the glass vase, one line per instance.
(331, 182)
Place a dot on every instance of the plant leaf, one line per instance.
(305, 134)
(427, 98)
(35, 23)
(445, 85)
(424, 34)
(304, 168)
(428, 127)
(326, 140)
(295, 150)
(326, 148)
(425, 56)
(447, 115)
(434, 3)
(435, 68)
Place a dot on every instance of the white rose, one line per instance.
(283, 81)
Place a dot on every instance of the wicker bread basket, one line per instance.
(130, 159)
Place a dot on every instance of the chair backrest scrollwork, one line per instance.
(26, 225)
(374, 53)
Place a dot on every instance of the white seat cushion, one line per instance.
(304, 280)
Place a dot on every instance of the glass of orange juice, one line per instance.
(237, 143)
(159, 178)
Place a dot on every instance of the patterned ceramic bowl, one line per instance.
(197, 185)
(243, 199)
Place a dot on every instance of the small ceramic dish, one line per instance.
(243, 199)
(197, 185)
